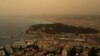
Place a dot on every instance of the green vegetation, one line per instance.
(59, 28)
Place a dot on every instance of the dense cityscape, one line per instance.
(49, 27)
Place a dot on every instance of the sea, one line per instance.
(14, 26)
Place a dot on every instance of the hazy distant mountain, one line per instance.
(86, 21)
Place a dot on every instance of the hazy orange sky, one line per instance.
(38, 7)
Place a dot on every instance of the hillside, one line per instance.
(59, 28)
